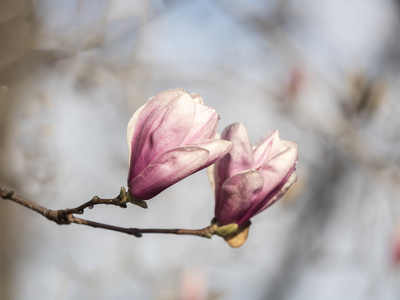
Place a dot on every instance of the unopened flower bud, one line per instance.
(171, 137)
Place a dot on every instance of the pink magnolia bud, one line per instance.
(249, 179)
(169, 138)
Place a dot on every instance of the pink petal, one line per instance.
(268, 148)
(167, 169)
(204, 125)
(237, 195)
(131, 128)
(165, 131)
(292, 179)
(162, 100)
(154, 104)
(276, 172)
(145, 115)
(217, 149)
(240, 158)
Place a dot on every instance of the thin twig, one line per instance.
(66, 216)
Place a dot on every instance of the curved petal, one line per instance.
(268, 148)
(292, 179)
(204, 124)
(165, 132)
(276, 172)
(167, 169)
(240, 158)
(156, 103)
(161, 100)
(238, 194)
(217, 149)
(131, 128)
(145, 116)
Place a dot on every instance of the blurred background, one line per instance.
(325, 73)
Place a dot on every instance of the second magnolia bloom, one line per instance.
(170, 138)
(249, 179)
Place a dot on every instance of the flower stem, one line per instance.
(66, 216)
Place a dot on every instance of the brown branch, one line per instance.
(66, 216)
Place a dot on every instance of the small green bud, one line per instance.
(226, 229)
(133, 200)
(95, 198)
(8, 195)
(122, 193)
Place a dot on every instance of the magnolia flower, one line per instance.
(250, 179)
(169, 138)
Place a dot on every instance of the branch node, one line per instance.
(66, 216)
(135, 232)
(61, 217)
(8, 195)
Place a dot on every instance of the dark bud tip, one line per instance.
(8, 195)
